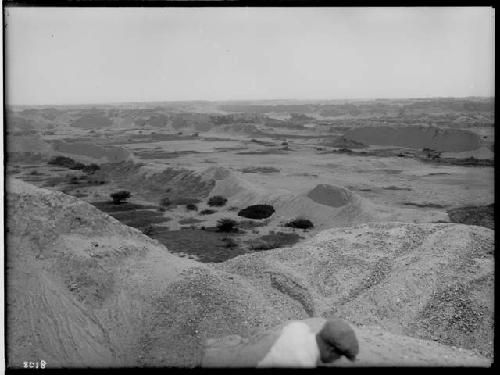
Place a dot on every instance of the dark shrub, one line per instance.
(300, 223)
(73, 180)
(257, 211)
(165, 202)
(91, 168)
(120, 196)
(226, 225)
(148, 229)
(191, 207)
(62, 161)
(217, 200)
(207, 212)
(77, 166)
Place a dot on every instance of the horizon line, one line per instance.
(248, 100)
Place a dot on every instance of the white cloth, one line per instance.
(296, 347)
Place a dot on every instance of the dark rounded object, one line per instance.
(257, 211)
(338, 334)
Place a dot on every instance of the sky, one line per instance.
(106, 55)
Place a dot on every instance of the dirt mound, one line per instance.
(330, 195)
(78, 281)
(155, 184)
(431, 281)
(452, 140)
(84, 290)
(243, 193)
(330, 206)
(215, 173)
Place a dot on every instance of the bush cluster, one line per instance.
(217, 200)
(207, 211)
(91, 168)
(165, 202)
(257, 211)
(226, 225)
(66, 162)
(120, 196)
(300, 223)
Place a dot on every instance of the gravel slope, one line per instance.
(432, 281)
(84, 290)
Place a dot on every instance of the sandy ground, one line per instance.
(84, 290)
(383, 188)
(375, 257)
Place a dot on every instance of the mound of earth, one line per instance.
(429, 281)
(215, 173)
(330, 195)
(451, 140)
(84, 290)
(155, 184)
(241, 192)
(326, 206)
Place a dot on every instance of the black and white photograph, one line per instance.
(248, 186)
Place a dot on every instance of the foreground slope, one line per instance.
(432, 281)
(85, 290)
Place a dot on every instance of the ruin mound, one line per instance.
(330, 195)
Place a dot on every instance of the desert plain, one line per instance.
(397, 197)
